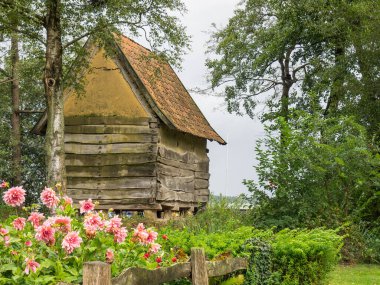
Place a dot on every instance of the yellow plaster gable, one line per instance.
(106, 93)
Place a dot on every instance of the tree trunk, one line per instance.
(54, 96)
(15, 120)
(337, 89)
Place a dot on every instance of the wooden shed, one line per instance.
(135, 139)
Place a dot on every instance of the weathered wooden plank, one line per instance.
(224, 267)
(198, 267)
(110, 138)
(108, 194)
(103, 120)
(140, 276)
(202, 192)
(173, 171)
(202, 175)
(201, 184)
(109, 159)
(110, 183)
(165, 194)
(96, 273)
(135, 170)
(203, 166)
(109, 129)
(130, 207)
(177, 164)
(185, 184)
(201, 199)
(186, 157)
(127, 201)
(110, 148)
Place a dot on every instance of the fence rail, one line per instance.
(99, 273)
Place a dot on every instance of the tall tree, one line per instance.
(290, 49)
(61, 26)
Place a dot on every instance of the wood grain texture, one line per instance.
(134, 170)
(201, 184)
(110, 183)
(109, 159)
(202, 192)
(140, 276)
(110, 138)
(187, 157)
(173, 171)
(198, 267)
(185, 184)
(202, 175)
(104, 120)
(110, 194)
(177, 164)
(78, 148)
(165, 194)
(96, 273)
(109, 129)
(224, 267)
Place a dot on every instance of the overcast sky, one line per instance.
(232, 163)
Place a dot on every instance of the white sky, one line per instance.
(232, 163)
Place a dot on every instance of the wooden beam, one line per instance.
(198, 267)
(96, 273)
(110, 138)
(77, 148)
(109, 129)
(134, 170)
(103, 120)
(109, 159)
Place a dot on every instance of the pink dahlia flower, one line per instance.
(109, 256)
(7, 241)
(152, 236)
(3, 231)
(28, 243)
(4, 184)
(86, 206)
(19, 223)
(67, 201)
(62, 223)
(49, 198)
(36, 218)
(113, 224)
(155, 247)
(71, 241)
(120, 234)
(46, 233)
(14, 196)
(94, 221)
(31, 265)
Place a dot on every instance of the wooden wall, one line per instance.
(182, 170)
(112, 160)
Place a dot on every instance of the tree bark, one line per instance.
(54, 96)
(337, 88)
(15, 120)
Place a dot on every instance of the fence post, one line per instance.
(96, 273)
(198, 267)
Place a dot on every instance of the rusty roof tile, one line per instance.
(167, 91)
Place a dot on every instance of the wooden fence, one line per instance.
(99, 273)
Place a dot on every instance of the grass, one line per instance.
(355, 275)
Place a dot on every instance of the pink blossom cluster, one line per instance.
(60, 228)
(49, 198)
(114, 227)
(71, 241)
(14, 196)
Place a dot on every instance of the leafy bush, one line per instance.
(293, 257)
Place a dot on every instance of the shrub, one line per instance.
(293, 257)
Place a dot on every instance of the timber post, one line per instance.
(199, 274)
(96, 273)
